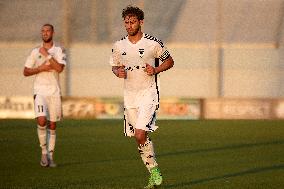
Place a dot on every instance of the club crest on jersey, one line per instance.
(141, 52)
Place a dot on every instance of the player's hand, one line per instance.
(121, 73)
(43, 51)
(45, 67)
(150, 70)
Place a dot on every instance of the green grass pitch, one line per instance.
(191, 154)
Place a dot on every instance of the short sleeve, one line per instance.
(115, 58)
(30, 62)
(161, 51)
(61, 56)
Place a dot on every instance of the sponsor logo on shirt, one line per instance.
(141, 52)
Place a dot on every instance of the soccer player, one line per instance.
(46, 62)
(133, 59)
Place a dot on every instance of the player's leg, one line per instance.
(147, 153)
(146, 118)
(40, 114)
(130, 116)
(51, 143)
(146, 149)
(55, 114)
(146, 122)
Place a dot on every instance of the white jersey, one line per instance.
(139, 88)
(46, 83)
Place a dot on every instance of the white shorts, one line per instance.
(48, 106)
(140, 118)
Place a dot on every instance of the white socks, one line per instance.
(44, 140)
(41, 132)
(147, 154)
(51, 142)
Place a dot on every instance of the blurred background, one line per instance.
(229, 55)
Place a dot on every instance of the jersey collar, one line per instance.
(143, 35)
(50, 48)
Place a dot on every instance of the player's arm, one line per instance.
(115, 61)
(53, 62)
(167, 64)
(55, 65)
(161, 52)
(119, 71)
(30, 63)
(32, 71)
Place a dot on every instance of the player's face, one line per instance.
(132, 25)
(46, 34)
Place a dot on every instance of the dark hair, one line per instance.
(51, 26)
(133, 11)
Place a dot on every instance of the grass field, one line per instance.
(191, 154)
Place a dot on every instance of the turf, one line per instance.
(191, 154)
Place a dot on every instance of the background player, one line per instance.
(46, 62)
(133, 58)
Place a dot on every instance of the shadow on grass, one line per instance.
(96, 161)
(229, 175)
(229, 147)
(184, 152)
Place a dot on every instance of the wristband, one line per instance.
(49, 57)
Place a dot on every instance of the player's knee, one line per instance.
(41, 121)
(140, 137)
(52, 125)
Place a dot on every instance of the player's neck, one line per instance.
(135, 38)
(47, 45)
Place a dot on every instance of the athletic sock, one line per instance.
(41, 133)
(51, 142)
(147, 154)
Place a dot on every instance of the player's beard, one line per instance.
(47, 40)
(133, 33)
